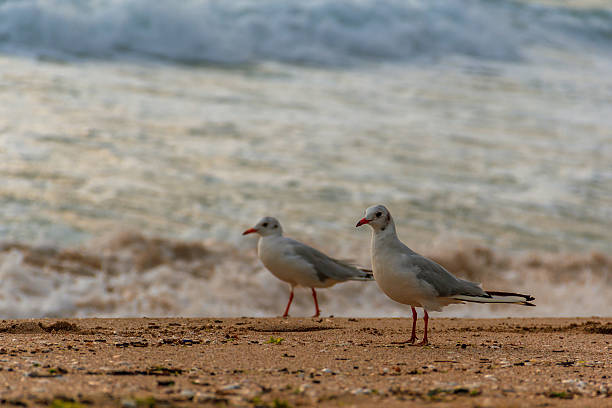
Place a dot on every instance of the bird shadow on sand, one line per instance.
(290, 327)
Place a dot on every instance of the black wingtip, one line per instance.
(527, 297)
(368, 273)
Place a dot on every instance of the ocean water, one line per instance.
(139, 139)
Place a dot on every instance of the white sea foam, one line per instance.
(311, 32)
(126, 274)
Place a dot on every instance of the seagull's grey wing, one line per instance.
(445, 283)
(327, 267)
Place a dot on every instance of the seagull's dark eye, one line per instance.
(265, 224)
(378, 214)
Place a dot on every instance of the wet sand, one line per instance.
(305, 362)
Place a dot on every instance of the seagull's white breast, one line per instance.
(400, 284)
(396, 277)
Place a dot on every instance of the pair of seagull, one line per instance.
(402, 274)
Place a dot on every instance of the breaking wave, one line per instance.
(127, 274)
(319, 32)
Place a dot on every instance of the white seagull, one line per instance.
(298, 264)
(414, 280)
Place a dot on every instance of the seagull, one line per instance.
(298, 264)
(412, 279)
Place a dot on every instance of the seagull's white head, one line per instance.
(266, 226)
(377, 217)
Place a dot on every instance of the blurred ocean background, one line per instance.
(139, 138)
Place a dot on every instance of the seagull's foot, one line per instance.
(285, 316)
(423, 343)
(316, 315)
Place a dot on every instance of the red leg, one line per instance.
(425, 341)
(314, 296)
(289, 304)
(413, 337)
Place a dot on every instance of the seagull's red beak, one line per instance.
(249, 231)
(361, 222)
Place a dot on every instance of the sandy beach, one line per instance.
(277, 362)
(139, 139)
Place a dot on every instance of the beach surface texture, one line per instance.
(274, 362)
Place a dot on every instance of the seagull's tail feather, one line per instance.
(366, 275)
(357, 273)
(498, 297)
